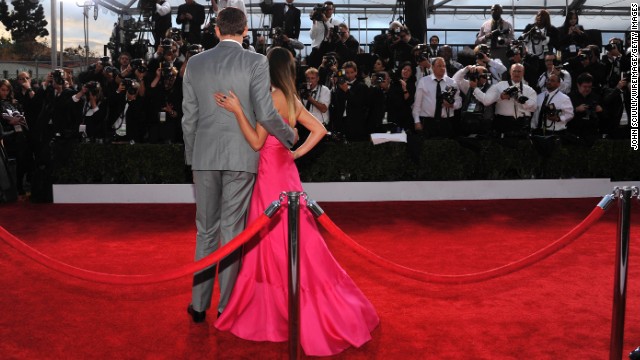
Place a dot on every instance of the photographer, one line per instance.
(92, 112)
(401, 47)
(95, 71)
(391, 100)
(617, 101)
(497, 33)
(328, 69)
(349, 104)
(475, 118)
(554, 109)
(587, 110)
(434, 45)
(14, 136)
(346, 46)
(167, 53)
(518, 54)
(540, 38)
(286, 16)
(161, 19)
(571, 36)
(422, 59)
(614, 62)
(587, 60)
(322, 23)
(191, 16)
(452, 66)
(192, 50)
(278, 38)
(316, 97)
(551, 64)
(494, 66)
(436, 100)
(129, 123)
(514, 104)
(164, 99)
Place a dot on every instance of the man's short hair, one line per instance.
(584, 78)
(435, 37)
(231, 21)
(311, 71)
(350, 64)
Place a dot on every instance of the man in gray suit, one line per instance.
(223, 163)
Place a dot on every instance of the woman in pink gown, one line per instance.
(334, 313)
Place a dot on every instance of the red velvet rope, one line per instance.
(539, 255)
(99, 277)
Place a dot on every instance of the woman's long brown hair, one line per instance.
(282, 69)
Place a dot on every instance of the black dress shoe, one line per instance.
(198, 316)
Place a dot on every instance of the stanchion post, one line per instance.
(293, 203)
(620, 278)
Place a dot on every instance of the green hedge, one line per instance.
(330, 162)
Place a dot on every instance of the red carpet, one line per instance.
(559, 308)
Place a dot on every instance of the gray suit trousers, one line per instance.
(222, 200)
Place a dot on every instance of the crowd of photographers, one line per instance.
(503, 87)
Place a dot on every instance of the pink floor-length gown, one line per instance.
(334, 313)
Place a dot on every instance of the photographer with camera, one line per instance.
(315, 96)
(167, 53)
(164, 99)
(346, 46)
(554, 68)
(320, 32)
(436, 100)
(518, 54)
(15, 140)
(92, 112)
(587, 60)
(617, 103)
(554, 109)
(540, 37)
(349, 104)
(571, 36)
(390, 101)
(422, 59)
(280, 39)
(587, 109)
(475, 118)
(329, 69)
(495, 67)
(497, 33)
(401, 47)
(129, 123)
(514, 103)
(95, 71)
(191, 16)
(615, 62)
(286, 16)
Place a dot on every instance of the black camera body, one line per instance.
(175, 34)
(139, 65)
(379, 78)
(93, 87)
(318, 12)
(514, 93)
(395, 33)
(475, 76)
(449, 94)
(551, 110)
(130, 85)
(330, 60)
(58, 76)
(483, 50)
(585, 54)
(499, 36)
(167, 45)
(305, 92)
(165, 69)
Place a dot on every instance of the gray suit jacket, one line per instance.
(212, 137)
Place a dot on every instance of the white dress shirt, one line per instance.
(425, 100)
(565, 81)
(321, 94)
(164, 8)
(317, 32)
(509, 107)
(562, 103)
